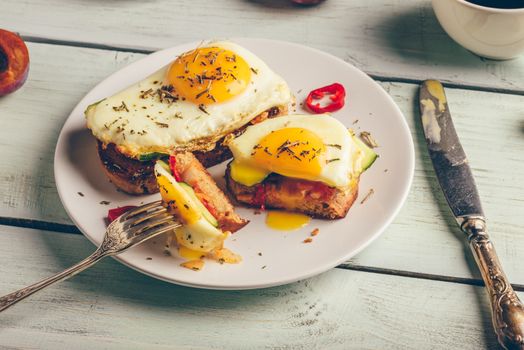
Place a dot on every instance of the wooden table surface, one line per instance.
(416, 287)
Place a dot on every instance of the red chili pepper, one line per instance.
(202, 198)
(174, 171)
(259, 199)
(113, 214)
(336, 93)
(212, 210)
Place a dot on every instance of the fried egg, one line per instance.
(310, 147)
(189, 104)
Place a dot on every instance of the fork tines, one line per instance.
(146, 217)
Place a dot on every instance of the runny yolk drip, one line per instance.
(293, 152)
(188, 253)
(209, 75)
(286, 221)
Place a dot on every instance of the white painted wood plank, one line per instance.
(112, 307)
(423, 238)
(394, 38)
(31, 120)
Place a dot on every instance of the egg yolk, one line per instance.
(246, 174)
(188, 253)
(286, 221)
(293, 152)
(209, 75)
(178, 200)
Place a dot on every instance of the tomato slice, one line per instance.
(113, 214)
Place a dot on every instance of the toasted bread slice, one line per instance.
(195, 175)
(309, 197)
(127, 174)
(137, 177)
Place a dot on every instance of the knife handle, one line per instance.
(507, 309)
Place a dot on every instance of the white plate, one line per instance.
(285, 258)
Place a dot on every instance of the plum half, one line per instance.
(14, 62)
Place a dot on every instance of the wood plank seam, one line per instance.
(419, 275)
(39, 225)
(82, 44)
(381, 78)
(447, 84)
(71, 229)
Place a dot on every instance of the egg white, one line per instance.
(144, 125)
(332, 132)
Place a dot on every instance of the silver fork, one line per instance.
(128, 230)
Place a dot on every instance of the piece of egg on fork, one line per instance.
(196, 234)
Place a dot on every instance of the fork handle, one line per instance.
(507, 309)
(14, 297)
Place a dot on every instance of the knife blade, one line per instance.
(455, 178)
(448, 157)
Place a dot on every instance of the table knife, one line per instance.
(457, 183)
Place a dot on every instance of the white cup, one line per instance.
(488, 32)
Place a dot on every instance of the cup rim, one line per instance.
(490, 9)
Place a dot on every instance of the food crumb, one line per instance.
(315, 232)
(259, 254)
(263, 267)
(80, 194)
(105, 202)
(308, 240)
(224, 255)
(368, 139)
(195, 265)
(149, 258)
(385, 170)
(167, 253)
(370, 192)
(356, 121)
